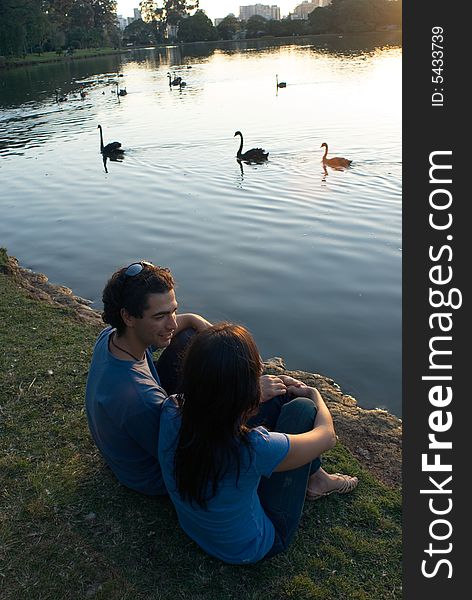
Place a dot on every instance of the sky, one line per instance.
(216, 8)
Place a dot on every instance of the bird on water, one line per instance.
(252, 155)
(282, 84)
(175, 81)
(112, 149)
(336, 161)
(60, 98)
(120, 92)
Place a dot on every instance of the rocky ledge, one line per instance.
(373, 436)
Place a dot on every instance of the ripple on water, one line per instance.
(308, 259)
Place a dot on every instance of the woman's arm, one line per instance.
(305, 447)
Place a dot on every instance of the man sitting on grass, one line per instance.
(125, 388)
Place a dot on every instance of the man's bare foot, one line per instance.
(322, 484)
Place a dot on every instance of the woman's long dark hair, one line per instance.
(220, 391)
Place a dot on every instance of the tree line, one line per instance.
(28, 26)
(341, 16)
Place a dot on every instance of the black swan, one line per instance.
(336, 161)
(111, 149)
(60, 98)
(121, 92)
(282, 84)
(175, 81)
(182, 84)
(252, 155)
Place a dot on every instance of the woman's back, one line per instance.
(233, 525)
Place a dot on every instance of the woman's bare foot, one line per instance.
(322, 484)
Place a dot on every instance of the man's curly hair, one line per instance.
(131, 292)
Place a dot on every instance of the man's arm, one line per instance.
(190, 320)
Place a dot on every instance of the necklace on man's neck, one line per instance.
(122, 349)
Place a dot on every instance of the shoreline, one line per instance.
(373, 436)
(7, 65)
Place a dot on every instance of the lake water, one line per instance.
(309, 260)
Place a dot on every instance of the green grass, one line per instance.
(46, 57)
(68, 530)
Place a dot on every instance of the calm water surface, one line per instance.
(309, 260)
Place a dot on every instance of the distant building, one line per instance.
(261, 10)
(123, 22)
(302, 11)
(218, 21)
(171, 32)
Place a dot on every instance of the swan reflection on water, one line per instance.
(240, 162)
(112, 157)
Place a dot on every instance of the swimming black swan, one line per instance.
(281, 84)
(182, 84)
(121, 92)
(60, 98)
(175, 81)
(252, 155)
(111, 149)
(336, 161)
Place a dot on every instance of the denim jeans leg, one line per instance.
(269, 412)
(169, 363)
(282, 495)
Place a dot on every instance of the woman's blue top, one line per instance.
(233, 526)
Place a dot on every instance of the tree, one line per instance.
(166, 12)
(321, 20)
(287, 27)
(140, 33)
(197, 28)
(355, 15)
(228, 27)
(82, 15)
(256, 26)
(23, 26)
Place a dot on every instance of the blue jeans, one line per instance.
(282, 495)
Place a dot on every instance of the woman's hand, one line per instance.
(304, 391)
(271, 386)
(291, 381)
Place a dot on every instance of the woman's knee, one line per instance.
(300, 405)
(297, 416)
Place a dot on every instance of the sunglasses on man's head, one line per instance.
(136, 268)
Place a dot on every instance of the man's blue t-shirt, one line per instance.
(234, 526)
(124, 401)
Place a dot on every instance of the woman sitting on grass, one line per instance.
(239, 491)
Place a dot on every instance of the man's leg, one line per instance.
(169, 364)
(283, 494)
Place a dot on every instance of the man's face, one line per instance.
(158, 323)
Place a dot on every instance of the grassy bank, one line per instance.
(68, 530)
(50, 57)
